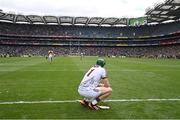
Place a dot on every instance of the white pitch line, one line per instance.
(141, 100)
(73, 101)
(38, 102)
(11, 70)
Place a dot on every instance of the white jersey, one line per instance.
(50, 55)
(93, 77)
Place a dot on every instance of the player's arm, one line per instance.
(105, 82)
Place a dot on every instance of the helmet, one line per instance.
(101, 62)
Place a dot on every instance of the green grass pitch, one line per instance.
(34, 79)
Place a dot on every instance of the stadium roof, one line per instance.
(169, 10)
(33, 19)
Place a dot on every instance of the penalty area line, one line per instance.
(73, 101)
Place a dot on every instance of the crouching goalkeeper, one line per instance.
(95, 85)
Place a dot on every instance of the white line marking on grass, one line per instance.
(141, 100)
(12, 69)
(38, 102)
(73, 101)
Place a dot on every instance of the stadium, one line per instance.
(142, 56)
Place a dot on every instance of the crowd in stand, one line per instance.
(170, 51)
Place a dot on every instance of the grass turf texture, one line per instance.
(34, 79)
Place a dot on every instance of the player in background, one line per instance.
(82, 55)
(95, 85)
(50, 56)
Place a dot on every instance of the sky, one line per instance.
(79, 8)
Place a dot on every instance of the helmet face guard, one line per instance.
(101, 62)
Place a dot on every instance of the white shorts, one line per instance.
(89, 93)
(50, 57)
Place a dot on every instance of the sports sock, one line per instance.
(94, 102)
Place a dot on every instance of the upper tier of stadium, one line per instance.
(89, 31)
(169, 10)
